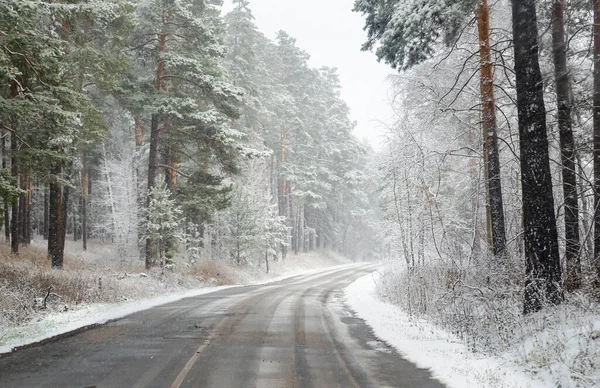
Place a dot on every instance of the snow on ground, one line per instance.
(58, 323)
(429, 347)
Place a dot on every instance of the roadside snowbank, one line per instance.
(429, 347)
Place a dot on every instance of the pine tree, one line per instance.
(192, 101)
(567, 147)
(491, 153)
(543, 272)
(162, 223)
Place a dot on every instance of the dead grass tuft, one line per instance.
(219, 274)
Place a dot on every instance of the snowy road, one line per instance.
(292, 333)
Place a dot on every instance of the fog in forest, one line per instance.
(154, 147)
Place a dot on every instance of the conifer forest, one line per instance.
(167, 129)
(149, 146)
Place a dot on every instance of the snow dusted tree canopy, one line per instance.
(404, 33)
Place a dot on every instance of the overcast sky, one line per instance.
(332, 34)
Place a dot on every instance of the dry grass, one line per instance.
(26, 279)
(215, 273)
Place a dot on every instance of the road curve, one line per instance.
(292, 333)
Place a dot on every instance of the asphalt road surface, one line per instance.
(292, 333)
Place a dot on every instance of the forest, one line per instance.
(491, 161)
(173, 133)
(177, 134)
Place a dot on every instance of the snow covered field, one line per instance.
(453, 364)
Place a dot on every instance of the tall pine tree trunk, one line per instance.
(6, 204)
(139, 134)
(56, 222)
(84, 200)
(290, 211)
(22, 205)
(170, 182)
(596, 114)
(490, 134)
(567, 149)
(282, 190)
(299, 227)
(542, 261)
(65, 208)
(152, 161)
(28, 214)
(46, 214)
(586, 221)
(25, 211)
(154, 129)
(14, 222)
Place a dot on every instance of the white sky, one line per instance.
(332, 34)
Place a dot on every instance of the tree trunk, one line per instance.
(267, 261)
(152, 159)
(29, 201)
(154, 129)
(309, 223)
(596, 115)
(542, 261)
(14, 223)
(66, 196)
(84, 201)
(490, 134)
(109, 189)
(27, 213)
(139, 134)
(170, 182)
(318, 232)
(22, 205)
(282, 190)
(46, 215)
(170, 162)
(290, 211)
(298, 227)
(567, 149)
(586, 220)
(24, 211)
(55, 227)
(6, 207)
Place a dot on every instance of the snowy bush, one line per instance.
(482, 305)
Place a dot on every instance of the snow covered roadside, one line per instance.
(59, 323)
(429, 347)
